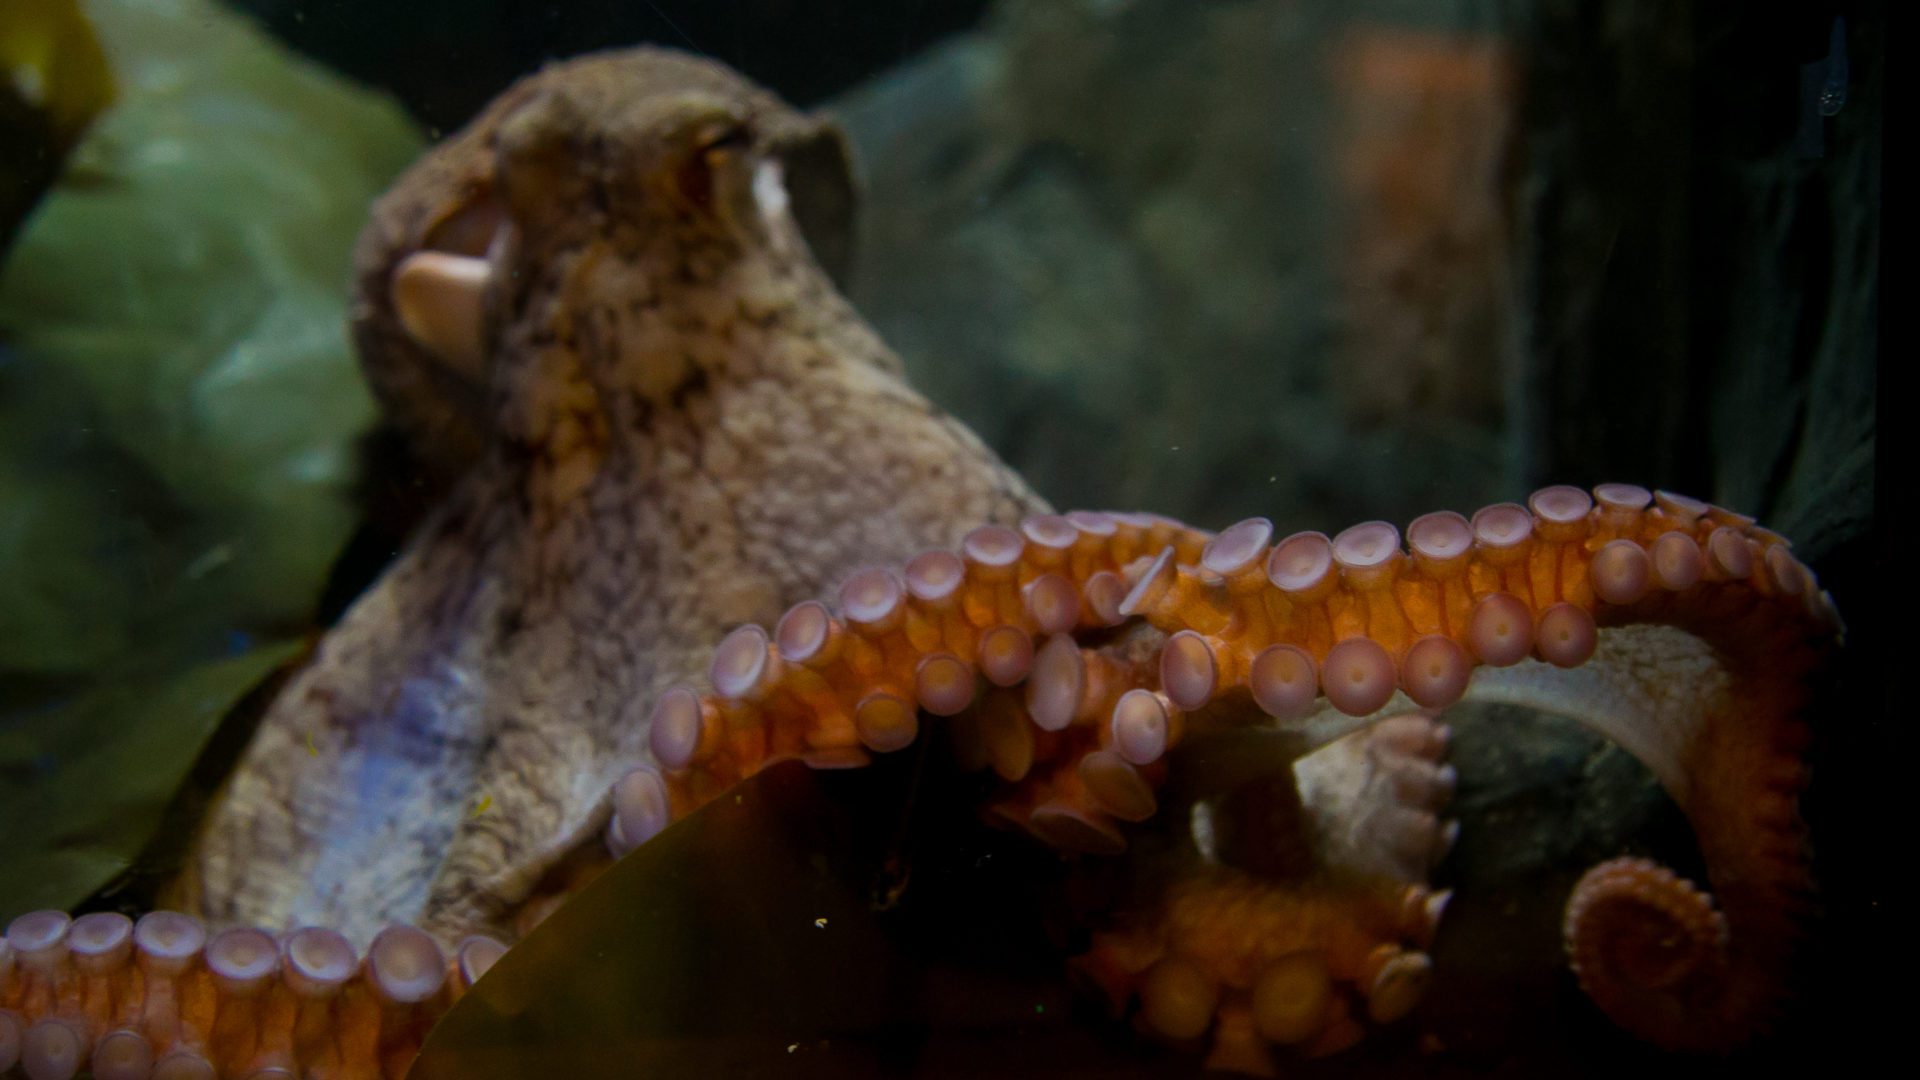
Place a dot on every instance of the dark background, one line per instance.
(446, 58)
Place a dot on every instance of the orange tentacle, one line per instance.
(1352, 619)
(1073, 655)
(160, 998)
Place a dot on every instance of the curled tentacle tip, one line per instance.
(1650, 950)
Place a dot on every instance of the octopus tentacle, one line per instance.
(1376, 797)
(1074, 656)
(160, 999)
(1079, 705)
(1646, 945)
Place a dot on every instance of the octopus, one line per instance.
(688, 520)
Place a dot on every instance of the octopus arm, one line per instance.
(1680, 629)
(1070, 656)
(164, 998)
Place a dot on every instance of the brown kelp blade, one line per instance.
(709, 951)
(745, 941)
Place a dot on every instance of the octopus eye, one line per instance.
(727, 138)
(715, 151)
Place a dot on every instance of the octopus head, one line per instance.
(608, 185)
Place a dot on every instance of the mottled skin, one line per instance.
(678, 425)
